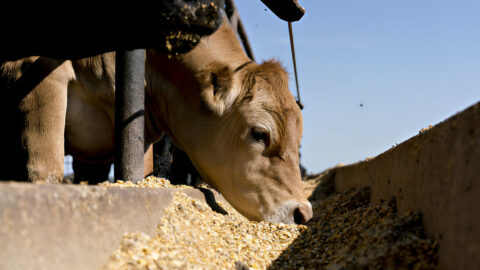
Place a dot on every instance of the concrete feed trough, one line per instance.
(414, 206)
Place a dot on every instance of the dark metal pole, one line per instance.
(129, 114)
(287, 10)
(299, 101)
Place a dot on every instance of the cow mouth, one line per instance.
(291, 212)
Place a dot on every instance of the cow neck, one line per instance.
(154, 107)
(163, 76)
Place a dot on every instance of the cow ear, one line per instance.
(216, 91)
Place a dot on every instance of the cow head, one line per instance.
(249, 151)
(238, 123)
(242, 131)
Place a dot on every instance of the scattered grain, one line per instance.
(149, 182)
(347, 232)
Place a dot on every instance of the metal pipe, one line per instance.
(129, 114)
(287, 10)
(299, 102)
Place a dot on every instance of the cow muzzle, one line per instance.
(291, 212)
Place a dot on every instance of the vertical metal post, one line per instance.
(299, 101)
(129, 114)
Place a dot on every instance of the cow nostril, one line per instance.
(298, 216)
(302, 214)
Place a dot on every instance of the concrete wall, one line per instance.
(438, 173)
(74, 227)
(77, 227)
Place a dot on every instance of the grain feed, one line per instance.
(346, 232)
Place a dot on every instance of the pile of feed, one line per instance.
(191, 236)
(149, 182)
(347, 232)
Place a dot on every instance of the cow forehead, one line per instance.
(272, 104)
(291, 132)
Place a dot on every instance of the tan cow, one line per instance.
(236, 119)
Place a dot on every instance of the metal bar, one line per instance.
(129, 114)
(287, 10)
(299, 102)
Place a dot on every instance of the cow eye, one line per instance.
(260, 135)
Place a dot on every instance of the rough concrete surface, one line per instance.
(77, 227)
(438, 173)
(74, 227)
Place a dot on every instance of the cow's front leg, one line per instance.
(148, 161)
(43, 110)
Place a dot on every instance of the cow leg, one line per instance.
(173, 164)
(45, 110)
(182, 171)
(162, 157)
(35, 147)
(94, 173)
(148, 161)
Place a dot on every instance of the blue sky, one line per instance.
(411, 63)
